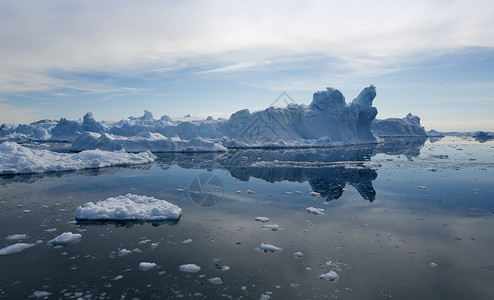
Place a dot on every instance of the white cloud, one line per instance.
(361, 38)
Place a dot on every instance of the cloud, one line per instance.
(15, 114)
(131, 38)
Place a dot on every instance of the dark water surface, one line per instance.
(385, 222)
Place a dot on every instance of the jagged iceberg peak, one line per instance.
(147, 115)
(366, 96)
(90, 124)
(330, 98)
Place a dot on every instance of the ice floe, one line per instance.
(315, 211)
(16, 159)
(273, 227)
(14, 237)
(189, 268)
(262, 219)
(330, 276)
(144, 266)
(269, 248)
(129, 207)
(215, 280)
(15, 248)
(66, 238)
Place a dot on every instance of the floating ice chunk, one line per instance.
(144, 266)
(118, 277)
(433, 265)
(422, 187)
(262, 219)
(315, 194)
(41, 294)
(249, 191)
(16, 159)
(14, 237)
(50, 230)
(66, 238)
(239, 192)
(189, 268)
(330, 276)
(215, 280)
(154, 245)
(124, 252)
(265, 297)
(15, 248)
(289, 193)
(298, 254)
(222, 267)
(269, 248)
(129, 207)
(315, 211)
(273, 227)
(187, 241)
(180, 190)
(432, 169)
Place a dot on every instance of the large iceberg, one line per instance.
(327, 121)
(16, 159)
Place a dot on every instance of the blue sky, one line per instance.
(434, 59)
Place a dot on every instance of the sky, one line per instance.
(59, 58)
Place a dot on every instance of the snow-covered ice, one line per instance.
(330, 276)
(298, 254)
(41, 294)
(273, 227)
(189, 268)
(315, 211)
(14, 237)
(16, 159)
(433, 265)
(262, 219)
(15, 248)
(124, 252)
(66, 238)
(129, 207)
(269, 248)
(144, 266)
(215, 280)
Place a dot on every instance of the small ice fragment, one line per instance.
(26, 211)
(154, 245)
(144, 266)
(315, 211)
(51, 230)
(249, 191)
(189, 268)
(180, 190)
(298, 254)
(262, 219)
(187, 241)
(124, 252)
(433, 265)
(269, 248)
(66, 238)
(243, 288)
(15, 248)
(330, 276)
(239, 192)
(273, 227)
(222, 267)
(422, 187)
(14, 237)
(314, 194)
(41, 294)
(215, 280)
(289, 193)
(118, 277)
(298, 192)
(431, 169)
(265, 297)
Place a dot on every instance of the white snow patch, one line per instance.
(269, 248)
(129, 207)
(144, 266)
(330, 276)
(315, 211)
(66, 238)
(189, 268)
(16, 159)
(15, 248)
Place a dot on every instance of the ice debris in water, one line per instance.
(41, 294)
(315, 211)
(189, 268)
(187, 241)
(129, 207)
(269, 248)
(330, 276)
(314, 194)
(124, 252)
(66, 238)
(265, 297)
(433, 265)
(215, 280)
(15, 248)
(14, 237)
(144, 266)
(262, 219)
(273, 227)
(298, 254)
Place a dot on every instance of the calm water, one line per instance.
(422, 202)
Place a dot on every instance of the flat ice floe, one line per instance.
(273, 227)
(129, 207)
(269, 248)
(66, 238)
(144, 266)
(189, 268)
(315, 211)
(330, 276)
(14, 237)
(16, 159)
(15, 248)
(262, 219)
(215, 280)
